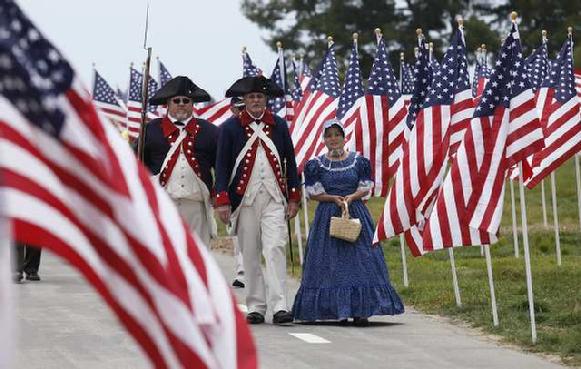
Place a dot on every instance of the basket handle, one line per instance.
(345, 214)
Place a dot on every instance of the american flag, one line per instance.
(434, 65)
(418, 178)
(300, 109)
(578, 83)
(305, 75)
(481, 77)
(297, 91)
(422, 80)
(106, 100)
(72, 185)
(216, 113)
(352, 96)
(164, 74)
(296, 96)
(134, 106)
(164, 77)
(538, 65)
(505, 130)
(560, 116)
(281, 106)
(320, 106)
(379, 133)
(248, 67)
(407, 82)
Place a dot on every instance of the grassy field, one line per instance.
(557, 290)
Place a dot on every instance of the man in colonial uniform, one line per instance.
(180, 150)
(257, 188)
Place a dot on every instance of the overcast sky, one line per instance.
(197, 38)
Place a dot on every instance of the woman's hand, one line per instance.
(339, 200)
(349, 199)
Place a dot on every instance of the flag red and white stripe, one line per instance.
(426, 152)
(85, 197)
(468, 208)
(379, 136)
(319, 106)
(115, 114)
(560, 110)
(215, 113)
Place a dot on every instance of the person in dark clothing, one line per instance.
(26, 261)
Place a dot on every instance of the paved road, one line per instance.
(63, 324)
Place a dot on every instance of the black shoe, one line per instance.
(32, 276)
(17, 277)
(238, 283)
(360, 322)
(282, 317)
(255, 318)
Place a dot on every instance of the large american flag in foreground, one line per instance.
(560, 116)
(425, 154)
(106, 100)
(72, 185)
(505, 130)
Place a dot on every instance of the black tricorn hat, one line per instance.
(261, 84)
(179, 86)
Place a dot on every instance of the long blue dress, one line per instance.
(342, 279)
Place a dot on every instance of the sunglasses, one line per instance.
(181, 100)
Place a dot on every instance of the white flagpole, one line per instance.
(305, 209)
(578, 176)
(454, 278)
(514, 221)
(299, 236)
(404, 264)
(544, 204)
(525, 238)
(491, 285)
(555, 217)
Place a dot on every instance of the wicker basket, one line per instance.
(344, 227)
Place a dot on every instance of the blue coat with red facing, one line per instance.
(234, 133)
(199, 146)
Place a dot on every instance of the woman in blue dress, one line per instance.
(341, 279)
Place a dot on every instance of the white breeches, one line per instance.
(261, 230)
(194, 214)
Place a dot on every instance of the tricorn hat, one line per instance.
(179, 86)
(261, 84)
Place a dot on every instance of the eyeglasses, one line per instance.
(181, 100)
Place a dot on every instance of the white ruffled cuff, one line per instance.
(365, 185)
(315, 190)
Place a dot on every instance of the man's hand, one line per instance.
(224, 214)
(293, 209)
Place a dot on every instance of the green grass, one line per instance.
(557, 290)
